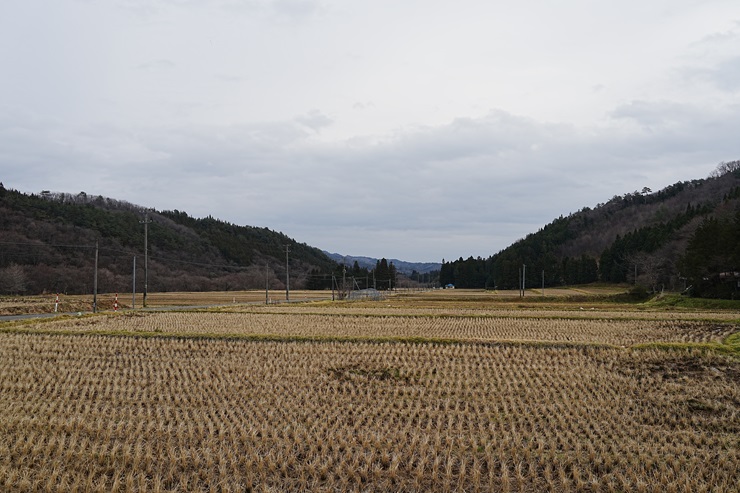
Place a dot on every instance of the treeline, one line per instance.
(686, 234)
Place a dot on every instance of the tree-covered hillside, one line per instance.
(47, 244)
(684, 235)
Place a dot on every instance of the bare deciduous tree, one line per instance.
(649, 269)
(725, 167)
(12, 279)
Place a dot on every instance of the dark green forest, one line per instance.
(49, 240)
(48, 245)
(685, 237)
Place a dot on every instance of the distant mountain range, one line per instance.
(403, 267)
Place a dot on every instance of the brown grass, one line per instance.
(13, 305)
(289, 324)
(458, 410)
(132, 414)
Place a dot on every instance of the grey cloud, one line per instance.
(426, 180)
(668, 128)
(296, 9)
(715, 59)
(231, 78)
(723, 75)
(315, 120)
(215, 119)
(719, 39)
(280, 10)
(478, 183)
(156, 65)
(726, 75)
(651, 114)
(141, 8)
(359, 105)
(497, 135)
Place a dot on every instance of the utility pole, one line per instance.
(133, 297)
(543, 282)
(267, 283)
(95, 280)
(523, 279)
(146, 222)
(287, 274)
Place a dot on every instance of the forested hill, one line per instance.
(687, 234)
(47, 244)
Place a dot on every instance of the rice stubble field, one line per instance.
(396, 396)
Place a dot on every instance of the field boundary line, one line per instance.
(723, 348)
(458, 316)
(308, 339)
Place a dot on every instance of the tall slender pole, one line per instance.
(95, 280)
(146, 258)
(524, 278)
(133, 290)
(543, 282)
(267, 283)
(146, 222)
(287, 274)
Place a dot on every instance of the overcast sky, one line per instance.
(410, 129)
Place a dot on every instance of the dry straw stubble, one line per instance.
(156, 414)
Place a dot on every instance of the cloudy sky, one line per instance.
(411, 129)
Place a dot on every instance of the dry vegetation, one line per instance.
(618, 332)
(13, 305)
(87, 405)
